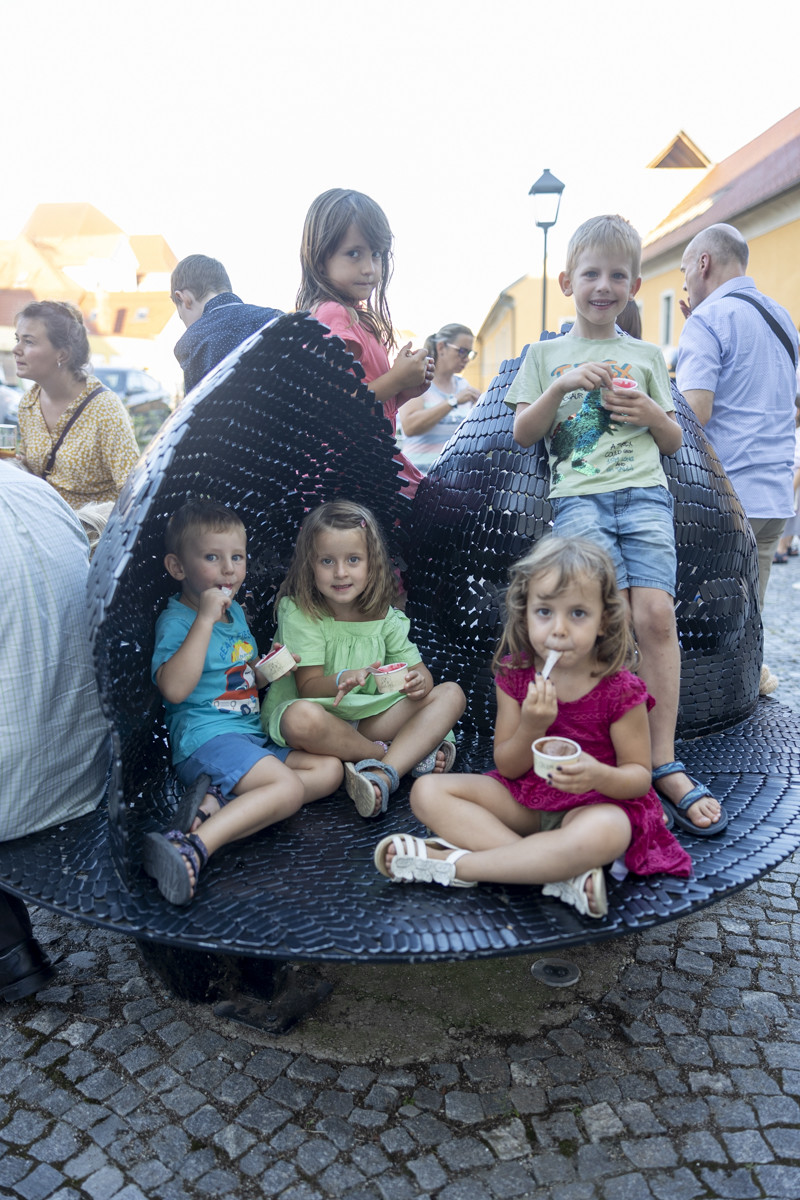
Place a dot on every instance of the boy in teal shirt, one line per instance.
(204, 666)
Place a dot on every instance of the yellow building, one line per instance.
(516, 312)
(757, 189)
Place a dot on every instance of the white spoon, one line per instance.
(552, 658)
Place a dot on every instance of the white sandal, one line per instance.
(573, 891)
(412, 865)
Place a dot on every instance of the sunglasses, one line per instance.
(467, 355)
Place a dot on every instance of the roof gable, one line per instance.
(752, 175)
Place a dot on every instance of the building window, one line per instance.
(667, 322)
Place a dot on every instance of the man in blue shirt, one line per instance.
(737, 358)
(216, 320)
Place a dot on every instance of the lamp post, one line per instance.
(546, 194)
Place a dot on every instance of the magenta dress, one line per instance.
(588, 721)
(375, 361)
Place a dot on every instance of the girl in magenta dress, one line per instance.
(346, 260)
(513, 826)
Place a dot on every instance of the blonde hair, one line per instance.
(325, 228)
(569, 560)
(381, 590)
(94, 518)
(607, 234)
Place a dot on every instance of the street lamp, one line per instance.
(546, 194)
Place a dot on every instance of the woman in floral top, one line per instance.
(99, 450)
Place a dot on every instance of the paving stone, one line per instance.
(399, 1141)
(264, 1116)
(465, 1189)
(370, 1160)
(355, 1079)
(676, 1185)
(627, 1187)
(601, 1121)
(650, 1152)
(368, 1118)
(340, 1178)
(60, 1145)
(341, 1134)
(104, 1184)
(40, 1184)
(267, 1064)
(701, 1147)
(462, 1154)
(508, 1141)
(731, 1185)
(779, 1182)
(447, 1074)
(278, 1177)
(638, 1117)
(487, 1073)
(305, 1070)
(315, 1155)
(507, 1180)
(24, 1128)
(785, 1143)
(217, 1183)
(553, 1167)
(464, 1107)
(428, 1172)
(295, 1096)
(777, 1110)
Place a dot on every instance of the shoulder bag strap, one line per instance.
(778, 330)
(52, 458)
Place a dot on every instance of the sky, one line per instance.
(217, 124)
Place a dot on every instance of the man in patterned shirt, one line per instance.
(54, 742)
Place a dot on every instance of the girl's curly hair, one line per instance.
(569, 560)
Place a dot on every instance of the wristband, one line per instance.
(339, 676)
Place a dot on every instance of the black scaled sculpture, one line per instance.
(279, 427)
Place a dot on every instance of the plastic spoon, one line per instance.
(552, 658)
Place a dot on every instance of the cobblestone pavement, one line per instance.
(671, 1070)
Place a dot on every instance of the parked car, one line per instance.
(136, 388)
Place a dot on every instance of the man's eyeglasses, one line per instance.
(466, 355)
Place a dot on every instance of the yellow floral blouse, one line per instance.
(97, 455)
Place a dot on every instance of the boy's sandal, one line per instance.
(189, 807)
(680, 811)
(780, 557)
(412, 865)
(358, 781)
(165, 857)
(427, 764)
(573, 891)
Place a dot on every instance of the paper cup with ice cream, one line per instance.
(551, 752)
(391, 678)
(276, 664)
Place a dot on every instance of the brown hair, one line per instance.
(198, 516)
(65, 331)
(569, 559)
(609, 234)
(199, 275)
(299, 585)
(326, 225)
(445, 334)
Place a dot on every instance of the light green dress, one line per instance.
(338, 646)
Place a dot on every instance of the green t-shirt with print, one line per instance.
(587, 452)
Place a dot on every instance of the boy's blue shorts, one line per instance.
(634, 525)
(227, 759)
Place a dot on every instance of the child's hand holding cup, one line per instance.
(552, 751)
(279, 662)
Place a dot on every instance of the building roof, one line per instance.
(763, 169)
(680, 153)
(152, 253)
(54, 222)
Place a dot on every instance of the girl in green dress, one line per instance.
(335, 611)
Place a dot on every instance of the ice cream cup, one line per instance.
(391, 678)
(551, 752)
(276, 664)
(625, 384)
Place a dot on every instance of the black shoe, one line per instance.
(24, 969)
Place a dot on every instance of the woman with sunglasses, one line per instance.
(430, 420)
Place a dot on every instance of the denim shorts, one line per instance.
(227, 758)
(634, 525)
